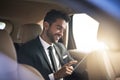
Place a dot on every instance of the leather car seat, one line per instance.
(11, 70)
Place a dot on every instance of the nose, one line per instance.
(61, 32)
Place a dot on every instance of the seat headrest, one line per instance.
(28, 32)
(6, 45)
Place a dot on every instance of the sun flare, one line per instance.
(85, 31)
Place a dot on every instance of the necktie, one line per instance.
(52, 57)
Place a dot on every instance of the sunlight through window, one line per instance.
(85, 32)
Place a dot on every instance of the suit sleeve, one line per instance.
(64, 52)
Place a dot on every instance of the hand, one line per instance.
(66, 70)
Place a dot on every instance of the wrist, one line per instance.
(56, 76)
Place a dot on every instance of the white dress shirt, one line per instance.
(45, 46)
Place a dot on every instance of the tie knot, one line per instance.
(50, 48)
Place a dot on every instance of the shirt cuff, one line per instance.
(51, 76)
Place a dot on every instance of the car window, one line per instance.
(85, 30)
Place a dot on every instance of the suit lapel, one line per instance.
(59, 54)
(42, 51)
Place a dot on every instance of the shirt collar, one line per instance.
(44, 43)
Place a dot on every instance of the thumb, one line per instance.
(71, 63)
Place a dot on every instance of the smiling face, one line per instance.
(54, 31)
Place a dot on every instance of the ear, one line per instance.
(46, 25)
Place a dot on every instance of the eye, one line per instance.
(59, 27)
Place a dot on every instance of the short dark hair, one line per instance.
(52, 15)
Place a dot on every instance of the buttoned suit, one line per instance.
(33, 53)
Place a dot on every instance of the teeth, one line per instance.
(57, 37)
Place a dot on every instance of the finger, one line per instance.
(69, 70)
(71, 63)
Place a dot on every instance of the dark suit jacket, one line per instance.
(32, 53)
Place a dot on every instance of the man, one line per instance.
(36, 52)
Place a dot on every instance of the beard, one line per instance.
(51, 36)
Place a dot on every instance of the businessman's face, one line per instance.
(56, 29)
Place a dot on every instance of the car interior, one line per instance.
(21, 21)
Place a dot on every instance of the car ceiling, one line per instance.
(102, 10)
(112, 7)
